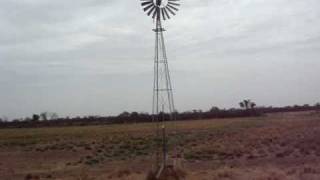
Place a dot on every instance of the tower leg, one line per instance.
(162, 98)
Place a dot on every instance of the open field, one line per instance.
(276, 146)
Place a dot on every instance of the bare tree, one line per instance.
(48, 116)
(53, 116)
(44, 116)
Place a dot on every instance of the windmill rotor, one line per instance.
(160, 9)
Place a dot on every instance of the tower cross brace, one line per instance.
(163, 102)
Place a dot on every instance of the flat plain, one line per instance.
(275, 146)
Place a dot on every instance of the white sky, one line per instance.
(94, 57)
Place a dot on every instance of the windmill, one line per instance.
(163, 108)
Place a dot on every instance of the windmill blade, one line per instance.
(173, 7)
(173, 1)
(170, 10)
(148, 7)
(154, 14)
(146, 3)
(167, 14)
(151, 10)
(174, 4)
(163, 15)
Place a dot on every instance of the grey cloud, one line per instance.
(91, 56)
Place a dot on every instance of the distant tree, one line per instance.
(44, 116)
(16, 120)
(317, 106)
(27, 119)
(35, 118)
(134, 116)
(232, 109)
(214, 109)
(124, 114)
(175, 114)
(242, 105)
(197, 113)
(252, 105)
(53, 116)
(163, 116)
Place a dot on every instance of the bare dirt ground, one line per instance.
(282, 146)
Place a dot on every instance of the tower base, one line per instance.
(167, 173)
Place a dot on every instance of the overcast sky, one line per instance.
(94, 57)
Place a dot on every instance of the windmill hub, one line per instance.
(160, 3)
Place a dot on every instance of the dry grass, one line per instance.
(278, 146)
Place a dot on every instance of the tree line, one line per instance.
(247, 108)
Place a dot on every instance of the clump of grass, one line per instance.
(120, 174)
(92, 162)
(226, 173)
(87, 147)
(31, 177)
(191, 156)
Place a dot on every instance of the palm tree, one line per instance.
(242, 105)
(252, 105)
(247, 104)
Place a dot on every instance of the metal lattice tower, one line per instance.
(163, 108)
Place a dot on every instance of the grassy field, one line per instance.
(276, 146)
